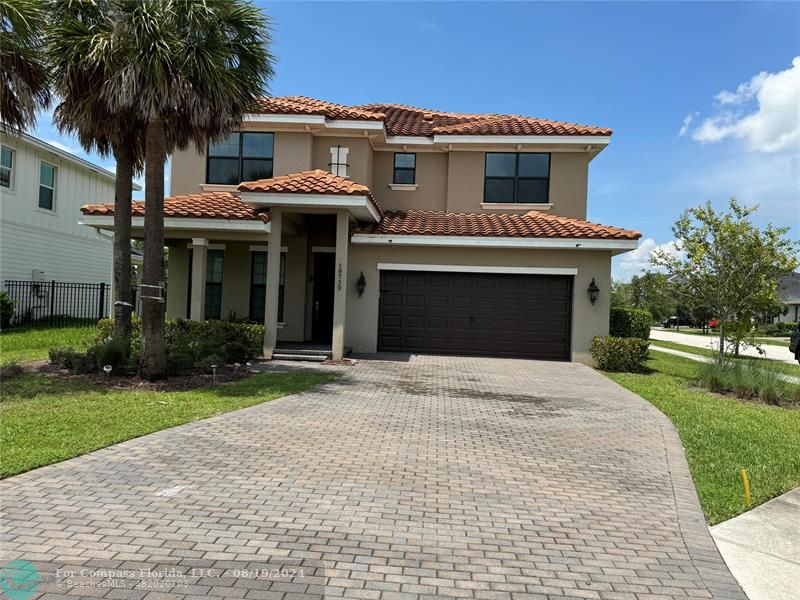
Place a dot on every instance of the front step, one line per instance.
(301, 356)
(312, 354)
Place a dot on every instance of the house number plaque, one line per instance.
(339, 279)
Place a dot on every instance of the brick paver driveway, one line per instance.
(430, 477)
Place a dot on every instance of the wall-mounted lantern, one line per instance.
(361, 284)
(594, 291)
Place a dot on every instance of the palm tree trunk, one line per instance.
(123, 297)
(154, 360)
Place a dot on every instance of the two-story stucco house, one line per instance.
(390, 228)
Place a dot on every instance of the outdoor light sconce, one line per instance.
(361, 284)
(594, 291)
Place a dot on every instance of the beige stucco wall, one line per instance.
(568, 183)
(177, 280)
(431, 179)
(361, 329)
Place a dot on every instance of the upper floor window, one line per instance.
(517, 178)
(405, 168)
(47, 185)
(339, 162)
(6, 167)
(240, 157)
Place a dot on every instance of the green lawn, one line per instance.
(32, 343)
(721, 435)
(46, 420)
(786, 368)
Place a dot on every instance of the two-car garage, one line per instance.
(469, 313)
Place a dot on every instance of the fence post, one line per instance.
(102, 303)
(52, 301)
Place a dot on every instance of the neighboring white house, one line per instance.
(41, 191)
(789, 294)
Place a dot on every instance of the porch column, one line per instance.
(273, 281)
(197, 306)
(340, 283)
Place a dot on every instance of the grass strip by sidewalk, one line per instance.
(785, 368)
(721, 435)
(32, 343)
(46, 420)
(769, 341)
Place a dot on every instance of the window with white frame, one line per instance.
(47, 186)
(6, 167)
(338, 162)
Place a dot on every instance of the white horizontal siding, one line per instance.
(61, 256)
(52, 241)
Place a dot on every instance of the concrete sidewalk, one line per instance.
(707, 359)
(762, 548)
(778, 353)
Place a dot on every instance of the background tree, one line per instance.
(729, 265)
(23, 73)
(189, 71)
(80, 48)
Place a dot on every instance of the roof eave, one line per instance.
(616, 246)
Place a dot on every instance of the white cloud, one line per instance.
(64, 147)
(636, 262)
(771, 126)
(687, 121)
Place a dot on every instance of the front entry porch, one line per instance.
(289, 281)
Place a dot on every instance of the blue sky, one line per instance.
(643, 69)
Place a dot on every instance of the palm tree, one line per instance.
(23, 74)
(189, 69)
(79, 43)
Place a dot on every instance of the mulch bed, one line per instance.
(175, 383)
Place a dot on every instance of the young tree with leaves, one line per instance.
(728, 265)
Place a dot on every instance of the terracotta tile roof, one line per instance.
(412, 121)
(300, 105)
(309, 182)
(533, 224)
(207, 205)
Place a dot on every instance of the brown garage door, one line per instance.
(475, 313)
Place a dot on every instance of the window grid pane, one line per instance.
(223, 171)
(47, 175)
(6, 157)
(228, 147)
(253, 169)
(257, 145)
(45, 198)
(5, 177)
(501, 164)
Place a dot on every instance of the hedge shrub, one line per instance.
(780, 329)
(630, 323)
(188, 342)
(6, 309)
(625, 354)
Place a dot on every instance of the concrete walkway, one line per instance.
(410, 477)
(762, 548)
(708, 359)
(778, 353)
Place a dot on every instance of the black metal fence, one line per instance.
(57, 302)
